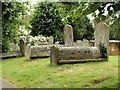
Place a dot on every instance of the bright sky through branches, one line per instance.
(33, 2)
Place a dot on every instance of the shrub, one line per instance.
(47, 20)
(103, 50)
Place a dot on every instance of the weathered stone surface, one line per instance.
(37, 51)
(74, 54)
(84, 43)
(54, 55)
(79, 43)
(51, 40)
(80, 51)
(22, 46)
(77, 53)
(68, 35)
(10, 54)
(102, 35)
(28, 51)
(40, 51)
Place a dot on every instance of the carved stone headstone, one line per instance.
(54, 55)
(68, 35)
(51, 40)
(102, 35)
(28, 51)
(22, 46)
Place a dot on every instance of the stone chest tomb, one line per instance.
(80, 51)
(39, 49)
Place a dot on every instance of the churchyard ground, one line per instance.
(39, 73)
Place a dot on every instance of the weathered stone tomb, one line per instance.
(79, 51)
(40, 50)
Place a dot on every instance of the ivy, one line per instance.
(89, 8)
(103, 50)
(12, 13)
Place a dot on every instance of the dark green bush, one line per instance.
(47, 20)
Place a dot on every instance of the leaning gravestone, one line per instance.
(101, 35)
(68, 35)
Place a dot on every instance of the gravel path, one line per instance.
(5, 84)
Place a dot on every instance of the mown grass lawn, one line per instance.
(40, 74)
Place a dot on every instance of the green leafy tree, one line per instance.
(82, 27)
(115, 28)
(112, 8)
(12, 13)
(47, 20)
(86, 8)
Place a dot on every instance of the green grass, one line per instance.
(40, 74)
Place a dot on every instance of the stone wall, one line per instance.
(114, 48)
(78, 54)
(10, 55)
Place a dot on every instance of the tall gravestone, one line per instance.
(22, 47)
(28, 51)
(68, 35)
(101, 35)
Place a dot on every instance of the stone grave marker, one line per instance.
(51, 40)
(68, 35)
(22, 46)
(102, 35)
